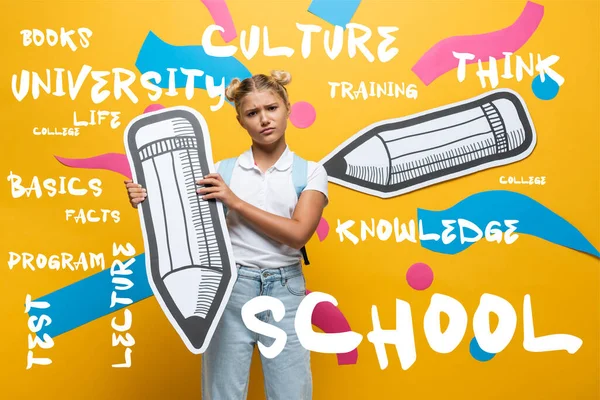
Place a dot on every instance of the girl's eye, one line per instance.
(273, 108)
(250, 114)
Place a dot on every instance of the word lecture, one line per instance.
(122, 284)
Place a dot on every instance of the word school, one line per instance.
(402, 337)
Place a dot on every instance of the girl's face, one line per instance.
(264, 115)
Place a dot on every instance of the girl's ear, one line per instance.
(240, 121)
(289, 109)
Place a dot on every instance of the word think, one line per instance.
(542, 66)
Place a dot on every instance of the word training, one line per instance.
(35, 324)
(384, 230)
(119, 271)
(403, 336)
(52, 187)
(542, 67)
(375, 89)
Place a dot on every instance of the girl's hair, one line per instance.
(237, 90)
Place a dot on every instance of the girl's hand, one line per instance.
(215, 188)
(136, 193)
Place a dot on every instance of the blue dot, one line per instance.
(478, 353)
(546, 90)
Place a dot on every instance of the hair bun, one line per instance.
(232, 89)
(281, 77)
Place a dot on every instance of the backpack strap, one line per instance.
(299, 174)
(226, 170)
(299, 178)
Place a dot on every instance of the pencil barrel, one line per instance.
(397, 156)
(189, 262)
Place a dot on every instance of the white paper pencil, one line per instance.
(397, 156)
(188, 251)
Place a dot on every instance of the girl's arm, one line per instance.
(294, 232)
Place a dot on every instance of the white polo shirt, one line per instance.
(272, 191)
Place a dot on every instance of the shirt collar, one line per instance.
(246, 160)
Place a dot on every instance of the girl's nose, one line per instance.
(263, 119)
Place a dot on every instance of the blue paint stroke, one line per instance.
(157, 55)
(478, 353)
(90, 298)
(499, 205)
(336, 12)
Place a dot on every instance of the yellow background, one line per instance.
(563, 284)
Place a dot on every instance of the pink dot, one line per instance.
(419, 276)
(153, 107)
(322, 229)
(303, 114)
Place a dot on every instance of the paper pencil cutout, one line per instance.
(397, 156)
(189, 258)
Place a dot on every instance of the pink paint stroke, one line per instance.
(153, 107)
(114, 162)
(439, 59)
(322, 229)
(330, 319)
(220, 14)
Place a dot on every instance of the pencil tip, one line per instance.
(335, 166)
